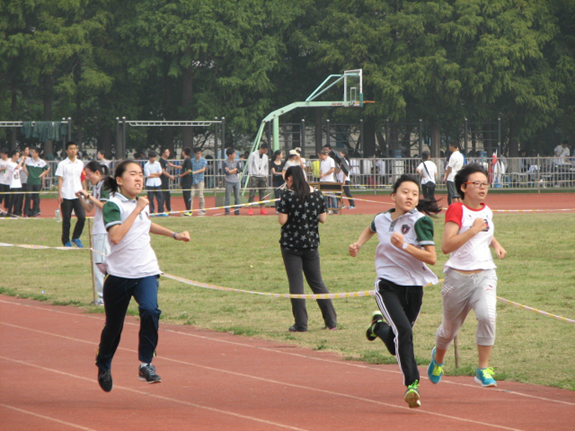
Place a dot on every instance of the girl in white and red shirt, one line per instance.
(470, 279)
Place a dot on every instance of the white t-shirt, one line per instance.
(475, 253)
(427, 177)
(4, 178)
(394, 264)
(456, 163)
(325, 166)
(258, 164)
(133, 257)
(153, 168)
(13, 172)
(102, 195)
(71, 173)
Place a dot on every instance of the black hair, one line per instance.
(69, 143)
(427, 206)
(186, 151)
(299, 185)
(276, 153)
(197, 150)
(4, 150)
(425, 155)
(264, 146)
(230, 151)
(463, 174)
(12, 152)
(95, 166)
(110, 182)
(152, 154)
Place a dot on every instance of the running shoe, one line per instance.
(105, 380)
(68, 244)
(148, 374)
(250, 212)
(187, 214)
(78, 242)
(484, 376)
(263, 211)
(412, 397)
(435, 370)
(376, 317)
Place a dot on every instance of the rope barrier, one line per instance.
(359, 294)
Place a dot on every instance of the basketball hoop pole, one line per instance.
(328, 83)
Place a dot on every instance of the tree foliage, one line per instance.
(436, 60)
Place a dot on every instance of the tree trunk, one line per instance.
(435, 140)
(368, 138)
(187, 97)
(318, 130)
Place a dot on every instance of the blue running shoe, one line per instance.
(484, 376)
(435, 370)
(412, 397)
(68, 244)
(78, 243)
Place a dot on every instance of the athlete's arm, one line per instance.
(156, 229)
(117, 232)
(427, 255)
(364, 237)
(453, 240)
(500, 251)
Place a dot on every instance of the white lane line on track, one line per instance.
(28, 412)
(248, 376)
(280, 351)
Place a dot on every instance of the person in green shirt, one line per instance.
(37, 171)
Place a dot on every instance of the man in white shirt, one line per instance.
(4, 181)
(69, 173)
(428, 172)
(327, 175)
(258, 170)
(153, 172)
(454, 165)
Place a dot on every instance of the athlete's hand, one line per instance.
(479, 225)
(353, 249)
(500, 251)
(397, 239)
(183, 236)
(142, 203)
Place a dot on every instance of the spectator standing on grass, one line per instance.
(25, 154)
(406, 244)
(133, 270)
(4, 181)
(186, 177)
(232, 179)
(37, 171)
(15, 167)
(277, 175)
(327, 175)
(153, 172)
(199, 167)
(343, 176)
(470, 279)
(301, 209)
(166, 177)
(454, 164)
(258, 171)
(69, 173)
(428, 172)
(96, 174)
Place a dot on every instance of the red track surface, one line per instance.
(215, 381)
(370, 204)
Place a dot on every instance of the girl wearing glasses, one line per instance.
(470, 279)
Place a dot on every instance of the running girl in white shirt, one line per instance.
(470, 279)
(132, 271)
(405, 245)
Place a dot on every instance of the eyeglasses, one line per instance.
(478, 184)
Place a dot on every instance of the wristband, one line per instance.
(404, 246)
(174, 235)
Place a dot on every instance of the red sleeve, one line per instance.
(454, 213)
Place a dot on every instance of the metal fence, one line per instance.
(372, 174)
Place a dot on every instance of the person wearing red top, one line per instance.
(470, 278)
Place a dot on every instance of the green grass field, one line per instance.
(243, 253)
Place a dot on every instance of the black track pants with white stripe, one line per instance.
(400, 306)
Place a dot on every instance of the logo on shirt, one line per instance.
(405, 228)
(486, 225)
